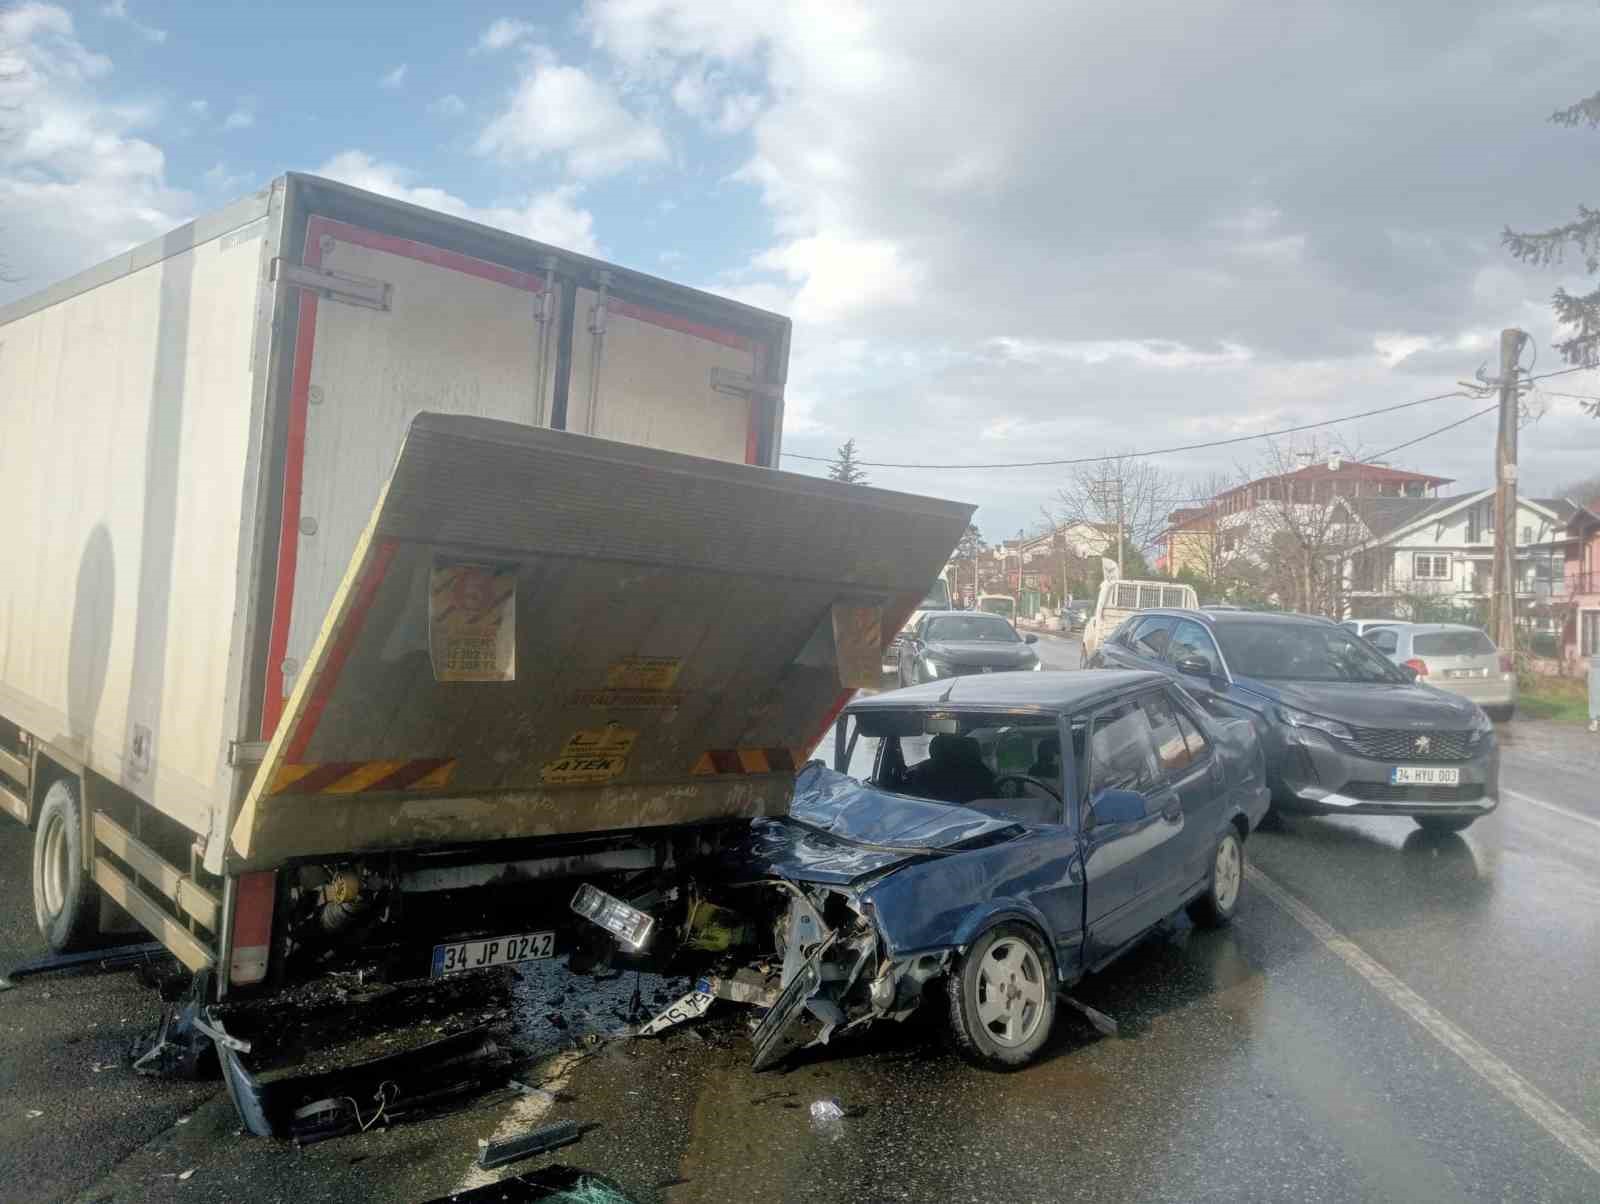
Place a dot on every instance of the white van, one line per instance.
(1119, 599)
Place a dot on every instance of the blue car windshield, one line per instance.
(971, 629)
(1302, 652)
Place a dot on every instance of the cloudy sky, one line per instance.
(1005, 231)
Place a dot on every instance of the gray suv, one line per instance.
(1345, 731)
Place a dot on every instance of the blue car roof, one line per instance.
(1060, 690)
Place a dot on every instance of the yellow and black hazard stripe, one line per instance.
(745, 760)
(363, 777)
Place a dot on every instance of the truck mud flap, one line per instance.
(541, 633)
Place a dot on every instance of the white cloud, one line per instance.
(199, 107)
(118, 10)
(504, 33)
(77, 181)
(219, 179)
(242, 118)
(704, 95)
(448, 105)
(1149, 245)
(839, 276)
(566, 113)
(393, 78)
(552, 216)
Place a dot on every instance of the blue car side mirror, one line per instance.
(1118, 807)
(1030, 638)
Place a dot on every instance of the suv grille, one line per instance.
(1390, 744)
(1382, 792)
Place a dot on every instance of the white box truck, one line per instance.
(373, 579)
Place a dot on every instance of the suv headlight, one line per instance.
(1481, 725)
(1328, 727)
(933, 666)
(1037, 664)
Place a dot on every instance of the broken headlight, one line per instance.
(628, 924)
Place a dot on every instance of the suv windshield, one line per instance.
(980, 629)
(1302, 652)
(1452, 643)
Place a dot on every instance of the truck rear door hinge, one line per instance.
(742, 384)
(335, 286)
(246, 752)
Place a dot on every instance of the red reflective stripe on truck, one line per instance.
(253, 899)
(294, 464)
(377, 568)
(424, 253)
(659, 317)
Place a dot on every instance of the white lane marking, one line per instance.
(525, 1112)
(1562, 811)
(1532, 1102)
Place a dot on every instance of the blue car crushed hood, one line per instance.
(839, 831)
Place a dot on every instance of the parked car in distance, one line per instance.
(1071, 617)
(1003, 605)
(957, 643)
(1454, 657)
(937, 598)
(1345, 731)
(1364, 627)
(1014, 833)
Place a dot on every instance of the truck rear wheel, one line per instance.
(65, 901)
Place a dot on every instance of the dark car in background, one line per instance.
(960, 643)
(1344, 730)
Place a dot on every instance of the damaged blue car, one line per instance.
(1002, 837)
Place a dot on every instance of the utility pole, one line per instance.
(1102, 502)
(1119, 531)
(1503, 605)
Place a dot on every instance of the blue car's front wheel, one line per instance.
(1003, 998)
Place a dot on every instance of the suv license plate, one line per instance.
(1424, 775)
(495, 951)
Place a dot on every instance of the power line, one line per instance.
(1168, 451)
(1450, 427)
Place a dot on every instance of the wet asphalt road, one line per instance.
(1258, 1063)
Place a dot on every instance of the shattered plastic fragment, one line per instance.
(34, 1114)
(827, 1119)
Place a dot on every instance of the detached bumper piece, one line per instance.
(536, 1141)
(417, 1082)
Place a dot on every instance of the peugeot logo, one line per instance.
(1424, 744)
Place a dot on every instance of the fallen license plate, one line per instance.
(495, 951)
(1424, 775)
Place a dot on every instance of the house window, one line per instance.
(1527, 534)
(1431, 568)
(1480, 522)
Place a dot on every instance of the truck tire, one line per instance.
(65, 899)
(1003, 998)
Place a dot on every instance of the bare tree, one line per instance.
(1298, 533)
(1126, 494)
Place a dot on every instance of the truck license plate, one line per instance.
(1424, 775)
(495, 951)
